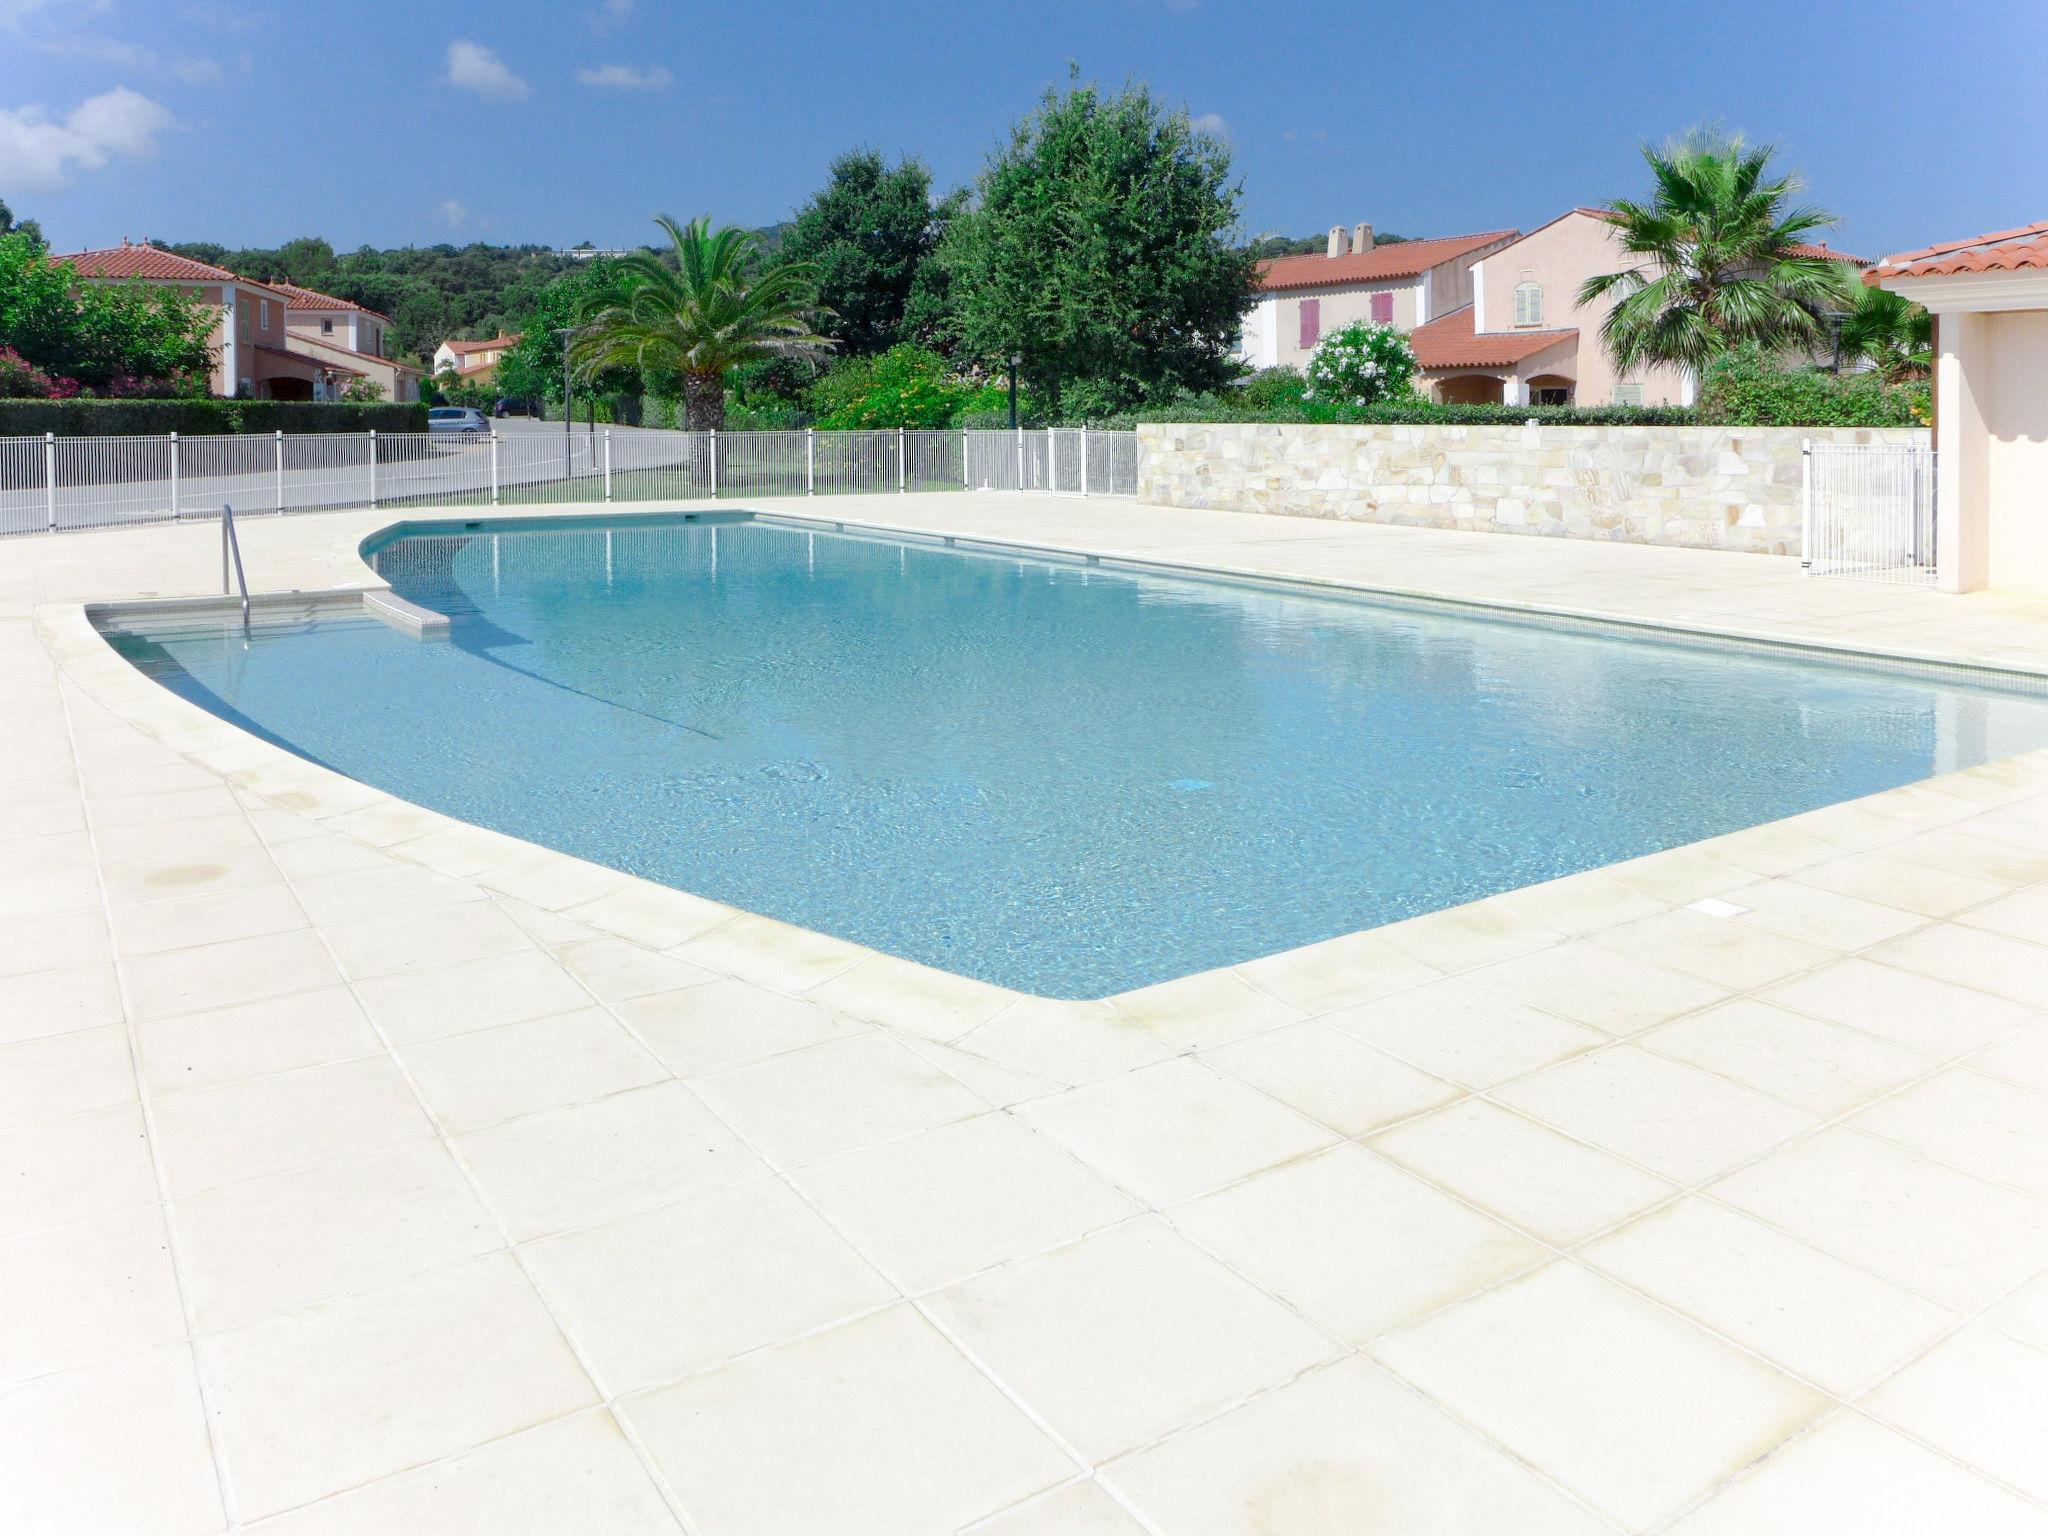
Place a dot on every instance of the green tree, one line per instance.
(532, 368)
(697, 310)
(130, 336)
(905, 387)
(1101, 251)
(1888, 331)
(1724, 260)
(868, 235)
(10, 226)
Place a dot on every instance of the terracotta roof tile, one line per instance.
(495, 343)
(152, 263)
(1450, 342)
(1409, 258)
(312, 298)
(2007, 250)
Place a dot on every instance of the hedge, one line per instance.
(1412, 413)
(83, 417)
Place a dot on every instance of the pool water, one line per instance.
(1062, 778)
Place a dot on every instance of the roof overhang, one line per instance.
(1962, 293)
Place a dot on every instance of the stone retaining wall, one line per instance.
(1703, 487)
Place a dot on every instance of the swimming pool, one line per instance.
(1060, 777)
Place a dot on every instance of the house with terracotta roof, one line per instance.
(1302, 299)
(1989, 298)
(473, 362)
(251, 345)
(348, 334)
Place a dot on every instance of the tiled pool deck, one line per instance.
(363, 1172)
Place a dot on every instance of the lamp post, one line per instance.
(568, 392)
(1016, 362)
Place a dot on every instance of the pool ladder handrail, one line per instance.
(231, 545)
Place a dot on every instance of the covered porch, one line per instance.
(282, 375)
(1460, 366)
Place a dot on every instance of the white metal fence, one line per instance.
(49, 483)
(1867, 511)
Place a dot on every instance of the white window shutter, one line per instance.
(1528, 304)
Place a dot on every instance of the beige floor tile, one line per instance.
(1333, 1078)
(84, 1292)
(2021, 915)
(1994, 1129)
(1464, 938)
(2021, 1057)
(775, 955)
(1340, 1452)
(722, 1023)
(1990, 962)
(417, 1371)
(876, 1428)
(326, 854)
(1206, 1009)
(574, 1474)
(231, 1045)
(1634, 1410)
(1812, 916)
(1354, 1244)
(1981, 1396)
(835, 1097)
(58, 1171)
(380, 889)
(1464, 1032)
(65, 1075)
(473, 1080)
(1890, 1211)
(913, 998)
(276, 1124)
(1675, 1120)
(1811, 1314)
(1079, 1509)
(617, 969)
(1125, 1335)
(1561, 1190)
(424, 939)
(1849, 1474)
(997, 1086)
(575, 1167)
(108, 1450)
(165, 805)
(237, 971)
(1580, 904)
(1173, 1130)
(1589, 985)
(667, 1292)
(651, 914)
(1897, 882)
(43, 1003)
(451, 1000)
(156, 879)
(933, 1207)
(195, 840)
(1064, 1042)
(1822, 1068)
(1728, 953)
(267, 1246)
(63, 942)
(46, 893)
(1336, 973)
(2024, 1314)
(1918, 1012)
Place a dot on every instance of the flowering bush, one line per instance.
(1361, 365)
(21, 379)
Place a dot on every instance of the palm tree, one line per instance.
(1724, 260)
(1890, 332)
(705, 305)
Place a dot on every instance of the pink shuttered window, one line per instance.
(1383, 309)
(1311, 322)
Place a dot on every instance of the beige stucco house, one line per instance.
(348, 334)
(473, 362)
(1301, 299)
(1989, 297)
(252, 355)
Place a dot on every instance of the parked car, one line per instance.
(457, 418)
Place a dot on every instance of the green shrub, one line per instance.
(905, 386)
(1413, 411)
(1747, 389)
(205, 417)
(1361, 365)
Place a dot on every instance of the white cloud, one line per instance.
(453, 214)
(612, 15)
(476, 68)
(42, 154)
(1210, 122)
(131, 58)
(625, 77)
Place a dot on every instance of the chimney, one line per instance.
(1340, 240)
(1361, 238)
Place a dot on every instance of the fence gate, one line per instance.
(1868, 511)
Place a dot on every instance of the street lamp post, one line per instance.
(568, 394)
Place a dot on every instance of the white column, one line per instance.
(607, 463)
(1084, 460)
(902, 474)
(714, 463)
(280, 471)
(1962, 512)
(373, 467)
(50, 478)
(810, 462)
(1514, 391)
(494, 466)
(174, 474)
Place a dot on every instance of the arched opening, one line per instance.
(1550, 389)
(1469, 389)
(289, 389)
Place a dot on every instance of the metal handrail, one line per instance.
(231, 544)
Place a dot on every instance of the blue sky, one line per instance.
(561, 120)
